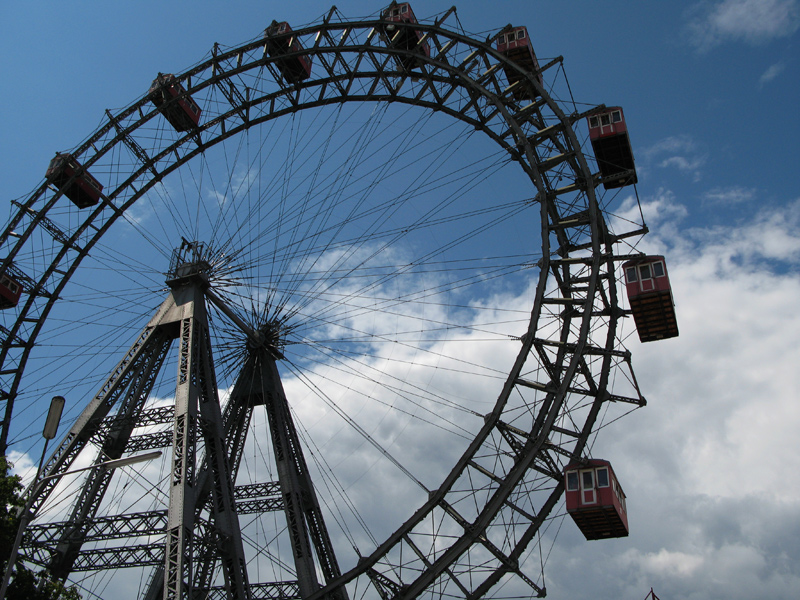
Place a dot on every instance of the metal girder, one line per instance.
(93, 415)
(279, 590)
(387, 588)
(257, 490)
(143, 555)
(264, 496)
(196, 416)
(162, 415)
(236, 99)
(303, 514)
(235, 421)
(197, 413)
(97, 481)
(261, 505)
(236, 418)
(150, 441)
(49, 226)
(131, 143)
(28, 282)
(148, 523)
(9, 338)
(259, 498)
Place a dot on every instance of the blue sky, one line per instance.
(709, 91)
(717, 87)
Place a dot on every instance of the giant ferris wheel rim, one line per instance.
(478, 109)
(10, 233)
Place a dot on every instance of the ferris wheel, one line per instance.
(356, 282)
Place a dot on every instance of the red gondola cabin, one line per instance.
(612, 147)
(10, 291)
(84, 190)
(293, 68)
(175, 104)
(516, 45)
(650, 297)
(595, 500)
(402, 37)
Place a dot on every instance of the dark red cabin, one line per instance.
(175, 104)
(612, 147)
(293, 68)
(10, 291)
(650, 297)
(84, 190)
(516, 45)
(595, 500)
(402, 37)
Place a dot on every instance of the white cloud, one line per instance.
(729, 195)
(664, 562)
(22, 465)
(751, 21)
(672, 145)
(682, 163)
(712, 511)
(679, 151)
(705, 464)
(660, 211)
(771, 73)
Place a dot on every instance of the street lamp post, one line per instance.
(27, 516)
(50, 427)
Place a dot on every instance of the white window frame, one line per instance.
(577, 485)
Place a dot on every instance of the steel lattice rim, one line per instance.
(592, 258)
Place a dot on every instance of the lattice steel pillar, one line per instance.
(196, 416)
(304, 518)
(196, 401)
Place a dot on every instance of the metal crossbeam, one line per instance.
(149, 441)
(131, 143)
(280, 590)
(249, 498)
(49, 226)
(148, 523)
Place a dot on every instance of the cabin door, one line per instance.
(588, 495)
(646, 281)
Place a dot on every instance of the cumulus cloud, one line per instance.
(704, 465)
(680, 152)
(751, 21)
(23, 465)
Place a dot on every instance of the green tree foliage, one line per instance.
(25, 585)
(10, 501)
